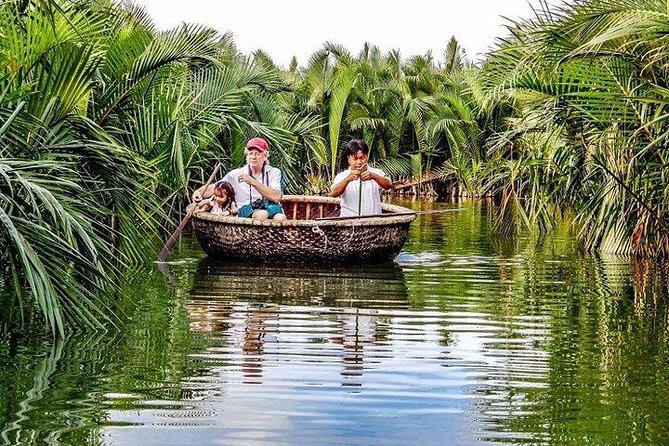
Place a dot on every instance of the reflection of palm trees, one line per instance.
(66, 368)
(602, 325)
(43, 373)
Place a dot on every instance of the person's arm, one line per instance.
(381, 180)
(200, 193)
(270, 193)
(202, 206)
(339, 187)
(233, 208)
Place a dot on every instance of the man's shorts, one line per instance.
(271, 208)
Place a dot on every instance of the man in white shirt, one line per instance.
(359, 186)
(257, 185)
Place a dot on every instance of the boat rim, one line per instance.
(404, 215)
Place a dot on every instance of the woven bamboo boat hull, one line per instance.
(304, 237)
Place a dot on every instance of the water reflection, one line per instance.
(49, 390)
(253, 306)
(470, 340)
(375, 286)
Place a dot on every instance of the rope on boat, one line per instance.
(352, 237)
(317, 230)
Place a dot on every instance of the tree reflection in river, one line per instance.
(471, 338)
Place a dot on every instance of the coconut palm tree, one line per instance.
(328, 81)
(122, 116)
(595, 74)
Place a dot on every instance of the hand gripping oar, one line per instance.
(173, 239)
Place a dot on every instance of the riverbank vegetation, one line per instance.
(108, 123)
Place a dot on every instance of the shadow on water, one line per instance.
(373, 286)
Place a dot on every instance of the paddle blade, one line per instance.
(165, 252)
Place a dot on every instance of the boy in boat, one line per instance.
(221, 203)
(257, 185)
(360, 185)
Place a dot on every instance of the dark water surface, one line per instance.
(467, 339)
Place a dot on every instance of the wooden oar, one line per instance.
(359, 197)
(165, 252)
(360, 192)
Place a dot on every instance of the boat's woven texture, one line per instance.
(370, 240)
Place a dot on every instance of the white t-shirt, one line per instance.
(371, 195)
(244, 193)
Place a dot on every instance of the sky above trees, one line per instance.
(297, 28)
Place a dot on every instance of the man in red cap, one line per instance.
(257, 185)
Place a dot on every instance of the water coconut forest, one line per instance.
(555, 146)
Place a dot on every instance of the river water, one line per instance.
(467, 339)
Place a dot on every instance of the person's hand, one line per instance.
(354, 175)
(357, 173)
(366, 175)
(197, 196)
(248, 179)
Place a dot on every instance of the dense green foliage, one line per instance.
(108, 123)
(589, 130)
(104, 123)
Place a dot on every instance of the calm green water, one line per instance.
(467, 340)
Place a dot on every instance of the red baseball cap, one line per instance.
(257, 143)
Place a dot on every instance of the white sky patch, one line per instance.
(299, 28)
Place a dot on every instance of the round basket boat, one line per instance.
(313, 233)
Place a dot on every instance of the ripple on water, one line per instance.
(328, 369)
(420, 259)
